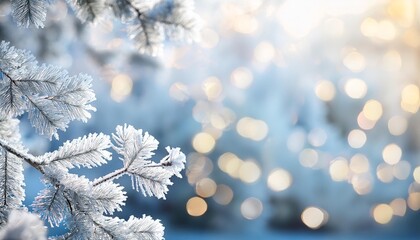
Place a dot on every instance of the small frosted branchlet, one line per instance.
(53, 99)
(149, 22)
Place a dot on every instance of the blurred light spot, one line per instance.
(121, 87)
(386, 30)
(214, 132)
(369, 27)
(399, 207)
(410, 98)
(223, 195)
(416, 174)
(264, 52)
(212, 88)
(252, 128)
(413, 201)
(403, 11)
(198, 167)
(339, 170)
(359, 164)
(343, 7)
(279, 180)
(402, 170)
(218, 121)
(325, 90)
(356, 138)
(205, 188)
(296, 140)
(224, 160)
(317, 137)
(308, 157)
(414, 187)
(230, 164)
(249, 172)
(314, 217)
(196, 206)
(384, 173)
(392, 154)
(245, 24)
(201, 112)
(209, 38)
(397, 125)
(362, 184)
(251, 208)
(203, 142)
(392, 60)
(372, 110)
(241, 77)
(411, 37)
(354, 61)
(179, 92)
(299, 17)
(355, 88)
(382, 213)
(365, 123)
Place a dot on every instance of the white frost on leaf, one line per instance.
(135, 147)
(145, 228)
(51, 205)
(174, 161)
(48, 93)
(29, 12)
(12, 191)
(88, 151)
(108, 197)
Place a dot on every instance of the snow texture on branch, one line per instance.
(88, 10)
(50, 96)
(29, 12)
(149, 22)
(133, 145)
(53, 99)
(89, 151)
(12, 184)
(137, 148)
(166, 19)
(12, 191)
(51, 205)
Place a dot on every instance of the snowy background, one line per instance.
(299, 118)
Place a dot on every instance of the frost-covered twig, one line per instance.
(53, 99)
(149, 23)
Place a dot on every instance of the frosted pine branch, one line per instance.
(148, 177)
(149, 22)
(88, 10)
(133, 145)
(51, 205)
(29, 12)
(50, 96)
(166, 19)
(53, 99)
(145, 228)
(11, 180)
(89, 151)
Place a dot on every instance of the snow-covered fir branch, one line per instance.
(149, 22)
(53, 99)
(50, 96)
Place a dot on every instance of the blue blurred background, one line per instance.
(299, 118)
